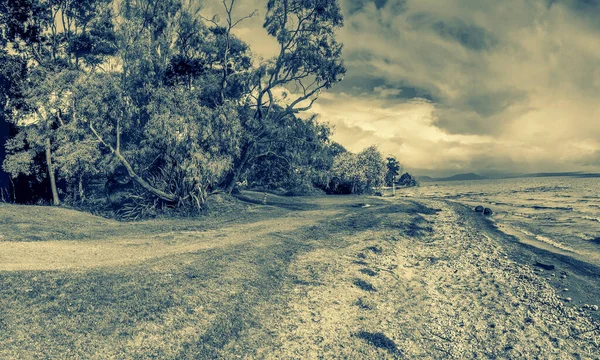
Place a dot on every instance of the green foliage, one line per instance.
(296, 154)
(407, 180)
(393, 170)
(357, 173)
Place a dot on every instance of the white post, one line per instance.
(394, 186)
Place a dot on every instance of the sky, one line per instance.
(457, 86)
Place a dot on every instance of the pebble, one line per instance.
(565, 289)
(568, 299)
(594, 307)
(563, 276)
(553, 275)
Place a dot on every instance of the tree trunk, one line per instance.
(143, 183)
(55, 199)
(81, 192)
(238, 169)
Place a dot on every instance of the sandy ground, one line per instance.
(451, 294)
(397, 279)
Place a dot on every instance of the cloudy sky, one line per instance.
(454, 86)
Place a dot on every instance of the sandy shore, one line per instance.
(453, 292)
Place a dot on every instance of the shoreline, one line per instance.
(582, 278)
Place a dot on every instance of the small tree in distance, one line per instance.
(393, 170)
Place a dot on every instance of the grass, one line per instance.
(364, 285)
(368, 272)
(379, 340)
(209, 287)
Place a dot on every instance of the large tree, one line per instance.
(308, 61)
(56, 40)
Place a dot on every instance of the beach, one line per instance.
(325, 277)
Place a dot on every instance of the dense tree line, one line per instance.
(156, 93)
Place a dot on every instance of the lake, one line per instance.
(560, 214)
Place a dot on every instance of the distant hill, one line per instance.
(559, 174)
(425, 178)
(473, 176)
(459, 177)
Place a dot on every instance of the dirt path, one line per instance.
(119, 251)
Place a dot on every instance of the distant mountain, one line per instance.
(472, 176)
(558, 174)
(462, 177)
(425, 178)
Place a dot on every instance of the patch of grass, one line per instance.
(375, 249)
(417, 227)
(368, 272)
(379, 340)
(364, 285)
(365, 304)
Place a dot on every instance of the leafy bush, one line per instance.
(407, 180)
(358, 173)
(305, 189)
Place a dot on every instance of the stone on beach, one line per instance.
(479, 208)
(487, 211)
(544, 266)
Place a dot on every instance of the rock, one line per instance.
(565, 289)
(563, 276)
(487, 211)
(585, 306)
(544, 266)
(594, 307)
(568, 299)
(479, 208)
(552, 275)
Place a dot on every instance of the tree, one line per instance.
(171, 97)
(372, 164)
(298, 154)
(308, 61)
(407, 180)
(357, 173)
(347, 176)
(393, 170)
(50, 37)
(46, 105)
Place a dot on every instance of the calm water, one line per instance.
(563, 213)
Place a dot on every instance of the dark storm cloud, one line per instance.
(351, 7)
(493, 103)
(470, 36)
